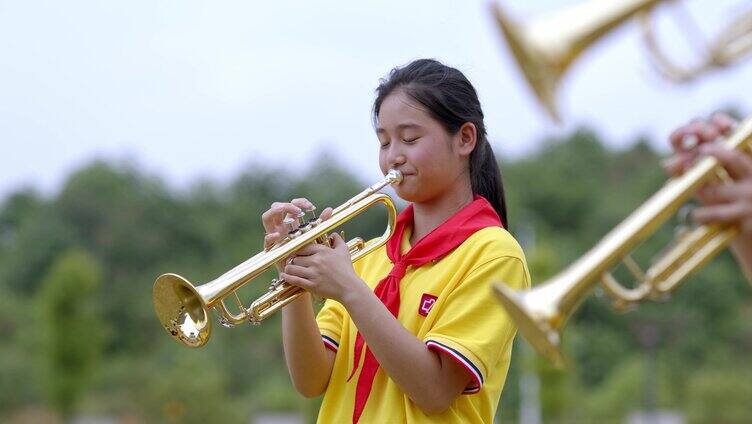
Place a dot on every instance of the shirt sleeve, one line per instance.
(471, 326)
(329, 320)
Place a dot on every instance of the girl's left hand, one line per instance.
(324, 271)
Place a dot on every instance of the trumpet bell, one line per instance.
(535, 327)
(538, 68)
(546, 48)
(181, 310)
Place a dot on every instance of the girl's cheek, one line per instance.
(424, 160)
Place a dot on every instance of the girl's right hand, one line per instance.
(273, 219)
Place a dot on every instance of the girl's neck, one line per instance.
(429, 215)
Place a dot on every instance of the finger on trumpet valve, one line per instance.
(312, 214)
(290, 224)
(293, 225)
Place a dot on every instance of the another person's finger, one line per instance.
(737, 164)
(727, 213)
(725, 193)
(678, 138)
(676, 164)
(708, 132)
(723, 122)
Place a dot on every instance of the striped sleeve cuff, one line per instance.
(475, 385)
(330, 343)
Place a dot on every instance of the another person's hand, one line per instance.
(728, 203)
(687, 139)
(724, 203)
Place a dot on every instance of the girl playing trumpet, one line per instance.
(411, 332)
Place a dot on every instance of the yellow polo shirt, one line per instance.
(447, 304)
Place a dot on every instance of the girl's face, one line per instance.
(416, 144)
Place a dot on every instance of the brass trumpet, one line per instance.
(542, 311)
(545, 48)
(183, 309)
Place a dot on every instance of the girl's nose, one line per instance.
(399, 160)
(395, 158)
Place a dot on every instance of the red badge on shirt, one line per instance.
(426, 303)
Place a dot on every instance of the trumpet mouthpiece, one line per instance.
(394, 176)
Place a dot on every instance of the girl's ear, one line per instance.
(467, 138)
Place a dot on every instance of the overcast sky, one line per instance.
(190, 89)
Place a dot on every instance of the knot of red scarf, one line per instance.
(398, 270)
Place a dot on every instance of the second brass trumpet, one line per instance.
(542, 311)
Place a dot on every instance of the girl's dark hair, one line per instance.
(450, 98)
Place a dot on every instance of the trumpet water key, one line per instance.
(183, 308)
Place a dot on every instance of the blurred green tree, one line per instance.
(719, 395)
(71, 328)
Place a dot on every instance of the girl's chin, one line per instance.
(405, 193)
(408, 193)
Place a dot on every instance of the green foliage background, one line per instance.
(96, 247)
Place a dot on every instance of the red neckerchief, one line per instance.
(439, 242)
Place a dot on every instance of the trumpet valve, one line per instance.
(291, 224)
(312, 212)
(275, 283)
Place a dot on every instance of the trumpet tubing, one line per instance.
(729, 47)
